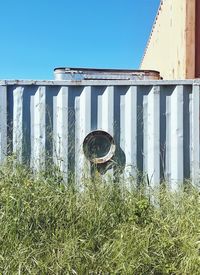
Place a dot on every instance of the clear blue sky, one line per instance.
(38, 35)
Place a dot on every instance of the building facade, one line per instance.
(174, 42)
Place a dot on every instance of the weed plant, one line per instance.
(47, 227)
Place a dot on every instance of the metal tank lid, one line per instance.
(66, 73)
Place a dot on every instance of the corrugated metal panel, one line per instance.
(155, 125)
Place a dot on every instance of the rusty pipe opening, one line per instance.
(99, 146)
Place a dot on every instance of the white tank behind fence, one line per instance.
(125, 126)
(77, 74)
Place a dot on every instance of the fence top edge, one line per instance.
(100, 82)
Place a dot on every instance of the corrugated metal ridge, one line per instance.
(152, 29)
(100, 82)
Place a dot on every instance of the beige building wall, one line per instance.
(166, 48)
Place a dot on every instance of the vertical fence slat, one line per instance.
(176, 130)
(195, 147)
(167, 168)
(130, 132)
(18, 122)
(107, 119)
(145, 133)
(3, 122)
(38, 128)
(60, 130)
(82, 128)
(107, 114)
(153, 136)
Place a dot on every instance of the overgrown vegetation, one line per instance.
(47, 227)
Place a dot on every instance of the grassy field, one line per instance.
(49, 228)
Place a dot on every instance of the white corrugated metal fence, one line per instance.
(155, 125)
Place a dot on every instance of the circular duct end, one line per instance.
(99, 146)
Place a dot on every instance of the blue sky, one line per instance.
(39, 35)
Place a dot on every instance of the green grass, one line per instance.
(104, 228)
